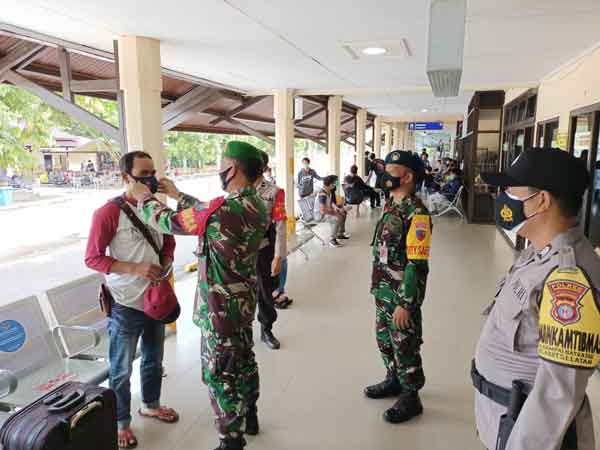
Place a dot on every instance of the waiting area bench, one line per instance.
(29, 351)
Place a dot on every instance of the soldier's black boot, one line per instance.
(269, 338)
(387, 388)
(408, 406)
(252, 427)
(232, 444)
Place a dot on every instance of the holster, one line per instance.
(518, 395)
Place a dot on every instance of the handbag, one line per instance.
(160, 301)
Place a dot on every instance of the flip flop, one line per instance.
(283, 304)
(166, 415)
(130, 439)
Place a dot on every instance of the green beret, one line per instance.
(241, 151)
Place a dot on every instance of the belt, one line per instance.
(488, 389)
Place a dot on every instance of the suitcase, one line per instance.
(74, 416)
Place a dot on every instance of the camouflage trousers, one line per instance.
(400, 349)
(230, 371)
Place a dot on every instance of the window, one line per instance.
(582, 135)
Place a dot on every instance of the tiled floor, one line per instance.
(312, 388)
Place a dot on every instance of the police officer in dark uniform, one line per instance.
(541, 341)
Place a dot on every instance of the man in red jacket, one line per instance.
(130, 266)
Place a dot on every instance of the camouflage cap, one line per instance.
(241, 151)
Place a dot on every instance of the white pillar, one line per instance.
(141, 82)
(361, 128)
(334, 108)
(397, 136)
(377, 137)
(283, 111)
(388, 139)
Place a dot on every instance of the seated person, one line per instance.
(440, 200)
(326, 210)
(359, 185)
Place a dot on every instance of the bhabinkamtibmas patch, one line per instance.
(418, 240)
(569, 326)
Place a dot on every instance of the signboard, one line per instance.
(425, 126)
(561, 140)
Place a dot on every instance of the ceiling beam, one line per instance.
(247, 103)
(71, 109)
(251, 131)
(311, 114)
(184, 112)
(90, 86)
(304, 135)
(64, 63)
(17, 54)
(184, 102)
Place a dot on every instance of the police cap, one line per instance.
(548, 169)
(407, 159)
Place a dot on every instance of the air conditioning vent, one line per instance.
(445, 83)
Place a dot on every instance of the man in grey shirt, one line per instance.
(306, 178)
(541, 341)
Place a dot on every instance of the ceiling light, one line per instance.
(374, 51)
(424, 110)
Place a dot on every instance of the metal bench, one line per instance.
(77, 322)
(455, 205)
(29, 351)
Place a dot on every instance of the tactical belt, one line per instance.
(488, 389)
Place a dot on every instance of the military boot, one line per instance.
(408, 406)
(390, 387)
(252, 427)
(232, 444)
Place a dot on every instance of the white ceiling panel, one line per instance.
(260, 45)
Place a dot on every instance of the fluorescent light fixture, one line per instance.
(446, 45)
(374, 51)
(424, 110)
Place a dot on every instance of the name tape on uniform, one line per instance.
(418, 240)
(569, 325)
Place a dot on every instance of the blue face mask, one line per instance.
(151, 182)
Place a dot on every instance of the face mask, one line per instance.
(223, 175)
(510, 214)
(451, 177)
(390, 182)
(151, 182)
(306, 166)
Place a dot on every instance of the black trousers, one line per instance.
(266, 284)
(374, 197)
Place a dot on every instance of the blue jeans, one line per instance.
(125, 326)
(282, 276)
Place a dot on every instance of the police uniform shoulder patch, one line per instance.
(569, 324)
(418, 240)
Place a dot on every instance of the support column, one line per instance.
(388, 139)
(334, 116)
(283, 111)
(361, 129)
(397, 136)
(377, 137)
(141, 83)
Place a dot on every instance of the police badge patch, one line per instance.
(566, 300)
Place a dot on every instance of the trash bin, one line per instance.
(6, 195)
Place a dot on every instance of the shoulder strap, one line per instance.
(135, 220)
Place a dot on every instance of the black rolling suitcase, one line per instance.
(74, 416)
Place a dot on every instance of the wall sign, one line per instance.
(425, 126)
(12, 336)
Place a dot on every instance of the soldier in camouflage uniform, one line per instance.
(400, 268)
(230, 232)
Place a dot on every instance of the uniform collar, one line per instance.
(565, 239)
(403, 204)
(243, 192)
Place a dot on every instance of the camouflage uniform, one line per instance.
(399, 348)
(225, 299)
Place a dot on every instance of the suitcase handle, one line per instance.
(73, 421)
(70, 401)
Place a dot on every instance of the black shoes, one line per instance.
(387, 388)
(268, 338)
(252, 427)
(407, 407)
(343, 236)
(232, 444)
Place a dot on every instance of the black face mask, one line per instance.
(224, 181)
(510, 213)
(151, 182)
(390, 182)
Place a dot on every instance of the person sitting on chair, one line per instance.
(358, 185)
(327, 210)
(438, 201)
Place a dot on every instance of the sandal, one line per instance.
(162, 414)
(283, 304)
(127, 439)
